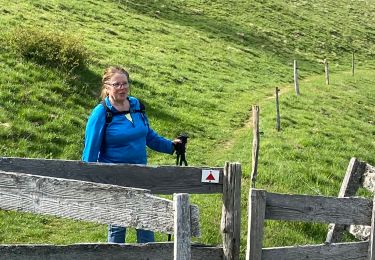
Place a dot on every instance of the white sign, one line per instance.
(211, 176)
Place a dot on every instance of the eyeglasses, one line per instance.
(118, 85)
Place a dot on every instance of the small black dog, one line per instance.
(180, 149)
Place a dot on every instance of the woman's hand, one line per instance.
(176, 141)
(177, 145)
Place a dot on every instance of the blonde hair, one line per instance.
(107, 75)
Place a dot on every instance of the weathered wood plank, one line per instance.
(371, 247)
(353, 178)
(319, 209)
(162, 251)
(194, 220)
(256, 212)
(158, 179)
(182, 238)
(256, 141)
(349, 187)
(342, 251)
(231, 211)
(101, 203)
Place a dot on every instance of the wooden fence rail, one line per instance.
(318, 209)
(350, 251)
(160, 251)
(157, 179)
(264, 205)
(89, 201)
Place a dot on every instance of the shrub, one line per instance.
(50, 48)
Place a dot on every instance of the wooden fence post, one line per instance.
(277, 110)
(182, 234)
(256, 140)
(326, 70)
(296, 84)
(256, 214)
(231, 211)
(353, 63)
(371, 246)
(349, 187)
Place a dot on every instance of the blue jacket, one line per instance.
(124, 141)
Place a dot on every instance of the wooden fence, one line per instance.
(264, 205)
(358, 175)
(91, 191)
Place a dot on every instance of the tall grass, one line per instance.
(49, 48)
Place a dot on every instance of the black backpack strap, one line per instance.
(142, 108)
(108, 119)
(108, 113)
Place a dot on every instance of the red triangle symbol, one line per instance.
(210, 177)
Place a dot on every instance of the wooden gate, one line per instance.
(89, 191)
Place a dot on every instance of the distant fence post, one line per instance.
(277, 109)
(353, 63)
(296, 84)
(182, 234)
(256, 140)
(326, 70)
(231, 211)
(256, 214)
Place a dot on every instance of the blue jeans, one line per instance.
(117, 234)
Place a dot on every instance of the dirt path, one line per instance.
(249, 122)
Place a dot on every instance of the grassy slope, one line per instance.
(321, 130)
(187, 61)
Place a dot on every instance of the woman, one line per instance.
(121, 137)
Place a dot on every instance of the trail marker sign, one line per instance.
(211, 176)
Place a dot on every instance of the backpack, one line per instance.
(109, 115)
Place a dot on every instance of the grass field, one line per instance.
(198, 67)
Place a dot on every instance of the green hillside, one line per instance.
(199, 67)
